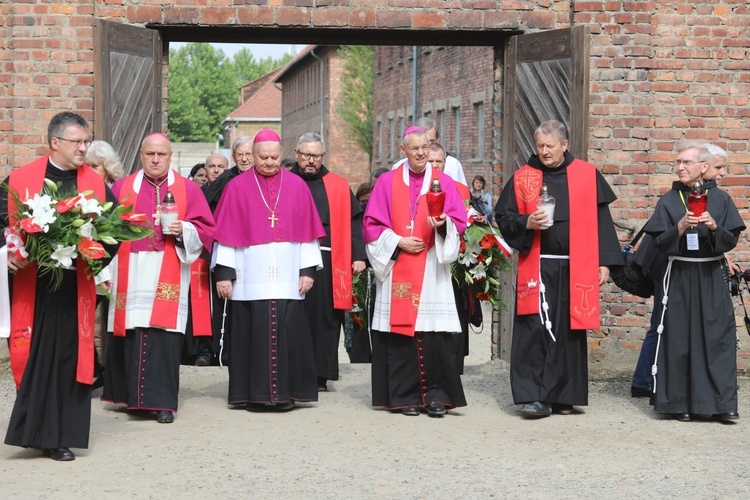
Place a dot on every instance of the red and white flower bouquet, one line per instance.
(53, 229)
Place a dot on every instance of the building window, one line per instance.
(380, 141)
(441, 127)
(457, 121)
(401, 126)
(392, 151)
(479, 115)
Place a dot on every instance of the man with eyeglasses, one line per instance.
(453, 167)
(343, 253)
(695, 372)
(52, 331)
(242, 156)
(415, 317)
(654, 264)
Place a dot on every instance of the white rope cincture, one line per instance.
(221, 339)
(544, 306)
(665, 299)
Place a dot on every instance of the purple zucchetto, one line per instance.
(413, 129)
(266, 135)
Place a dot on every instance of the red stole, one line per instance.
(408, 271)
(28, 181)
(167, 298)
(584, 250)
(200, 295)
(340, 210)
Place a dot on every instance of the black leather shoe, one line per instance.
(727, 417)
(164, 417)
(436, 409)
(684, 417)
(411, 411)
(256, 407)
(637, 392)
(59, 454)
(288, 406)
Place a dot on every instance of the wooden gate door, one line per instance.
(546, 77)
(127, 87)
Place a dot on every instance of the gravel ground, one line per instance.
(340, 447)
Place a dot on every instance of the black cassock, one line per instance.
(271, 359)
(325, 321)
(542, 369)
(52, 410)
(697, 364)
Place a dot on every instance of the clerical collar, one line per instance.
(57, 166)
(412, 171)
(535, 162)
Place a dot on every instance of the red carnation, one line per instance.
(91, 249)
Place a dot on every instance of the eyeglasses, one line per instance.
(687, 163)
(307, 156)
(77, 143)
(242, 155)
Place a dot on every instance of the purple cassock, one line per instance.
(196, 213)
(378, 214)
(250, 201)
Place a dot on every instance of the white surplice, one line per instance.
(268, 271)
(437, 304)
(143, 275)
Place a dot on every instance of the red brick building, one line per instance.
(651, 73)
(260, 107)
(454, 87)
(311, 86)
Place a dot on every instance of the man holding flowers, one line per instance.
(52, 252)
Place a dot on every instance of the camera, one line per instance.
(734, 284)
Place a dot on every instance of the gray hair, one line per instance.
(715, 151)
(703, 154)
(553, 127)
(240, 141)
(61, 121)
(427, 123)
(418, 133)
(436, 146)
(100, 152)
(311, 137)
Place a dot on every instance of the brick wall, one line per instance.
(301, 114)
(660, 71)
(452, 83)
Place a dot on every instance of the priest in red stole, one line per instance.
(266, 255)
(343, 254)
(151, 277)
(415, 317)
(560, 269)
(51, 332)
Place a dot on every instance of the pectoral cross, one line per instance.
(273, 218)
(157, 219)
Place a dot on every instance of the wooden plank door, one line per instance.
(127, 87)
(546, 77)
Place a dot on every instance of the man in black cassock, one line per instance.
(331, 296)
(696, 356)
(549, 369)
(53, 409)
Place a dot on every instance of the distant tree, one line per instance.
(248, 68)
(204, 88)
(202, 92)
(356, 104)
